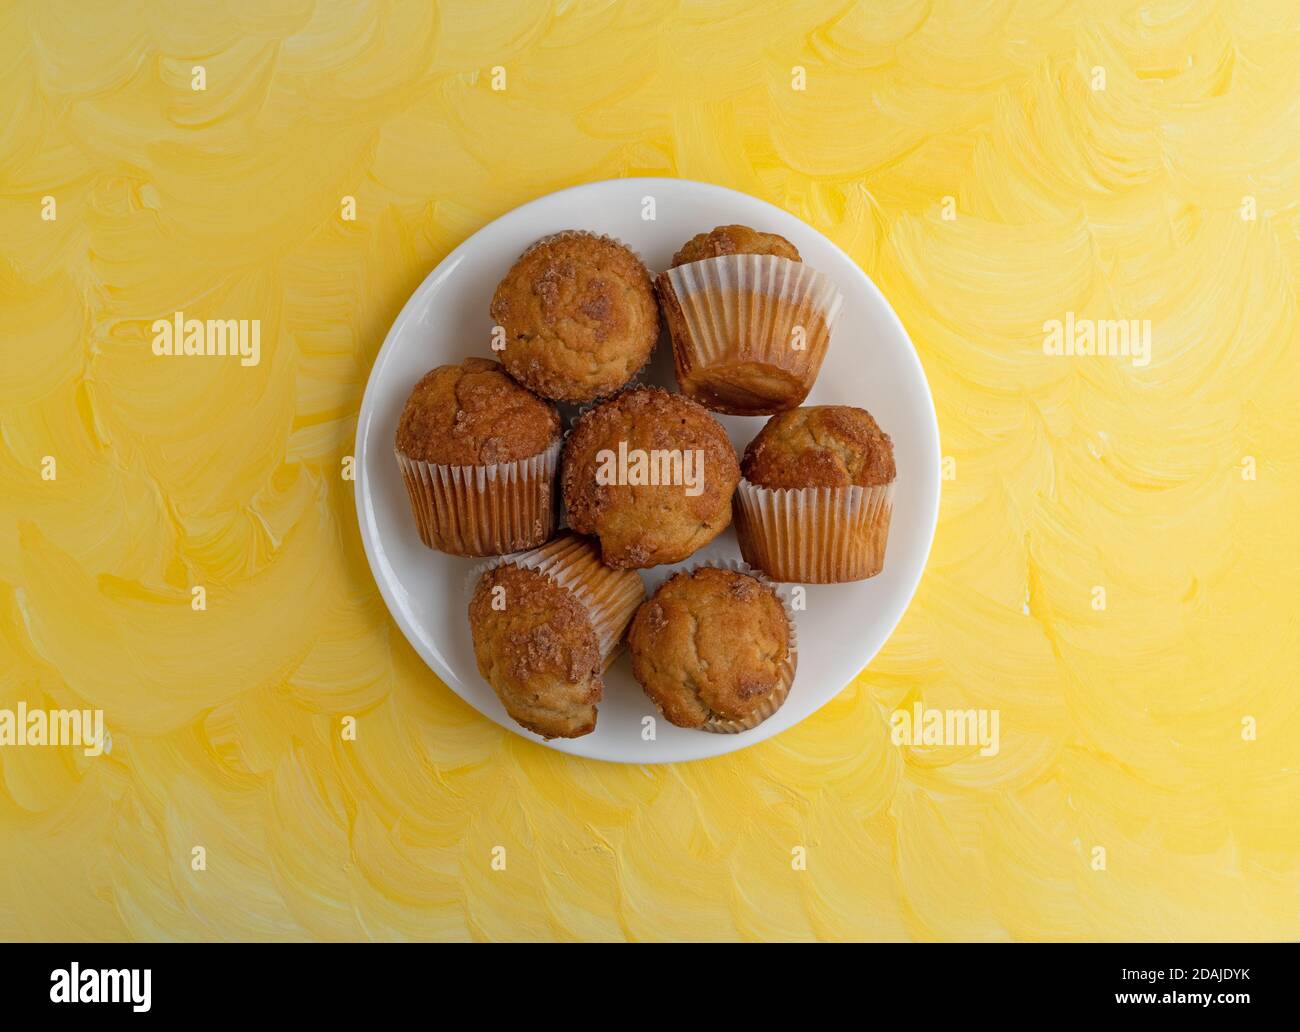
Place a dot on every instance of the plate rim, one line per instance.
(727, 743)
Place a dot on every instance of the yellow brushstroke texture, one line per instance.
(1121, 728)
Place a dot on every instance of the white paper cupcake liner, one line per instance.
(749, 309)
(609, 596)
(814, 535)
(721, 725)
(491, 509)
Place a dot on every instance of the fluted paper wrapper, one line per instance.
(749, 308)
(610, 597)
(720, 725)
(483, 510)
(814, 535)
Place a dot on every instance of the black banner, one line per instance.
(305, 981)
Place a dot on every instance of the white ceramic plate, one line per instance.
(871, 363)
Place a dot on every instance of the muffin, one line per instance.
(478, 455)
(715, 650)
(816, 496)
(750, 322)
(728, 240)
(579, 316)
(651, 474)
(546, 625)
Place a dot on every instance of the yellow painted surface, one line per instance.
(1101, 159)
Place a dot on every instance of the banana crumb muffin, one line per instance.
(651, 474)
(478, 455)
(473, 413)
(579, 316)
(750, 323)
(734, 240)
(817, 496)
(820, 446)
(545, 625)
(538, 652)
(713, 649)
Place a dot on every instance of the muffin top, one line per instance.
(651, 474)
(579, 316)
(734, 240)
(712, 644)
(474, 414)
(820, 446)
(537, 648)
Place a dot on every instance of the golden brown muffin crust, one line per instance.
(711, 644)
(642, 525)
(579, 316)
(734, 240)
(820, 446)
(474, 414)
(539, 653)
